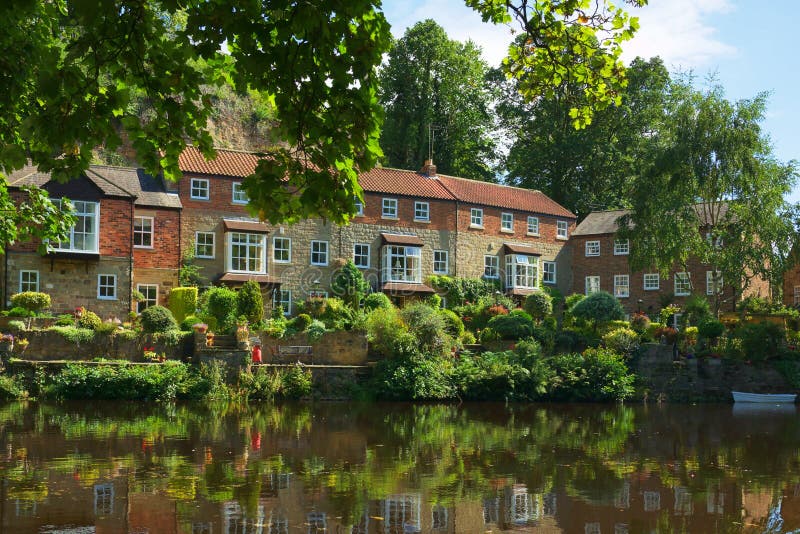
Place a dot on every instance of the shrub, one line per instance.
(182, 302)
(755, 305)
(499, 376)
(666, 334)
(65, 320)
(88, 319)
(488, 335)
(453, 324)
(74, 334)
(11, 388)
(597, 375)
(250, 302)
(260, 384)
(157, 319)
(539, 305)
(428, 325)
(413, 378)
(106, 328)
(710, 329)
(572, 300)
(16, 326)
(300, 323)
(696, 309)
(468, 338)
(315, 330)
(373, 301)
(598, 307)
(33, 301)
(120, 382)
(221, 305)
(386, 331)
(349, 284)
(20, 312)
(189, 322)
(462, 290)
(545, 335)
(640, 322)
(624, 341)
(761, 341)
(336, 314)
(512, 326)
(296, 382)
(667, 312)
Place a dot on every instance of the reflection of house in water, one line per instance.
(402, 513)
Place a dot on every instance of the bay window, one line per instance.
(401, 264)
(522, 271)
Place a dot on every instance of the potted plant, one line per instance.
(200, 328)
(210, 339)
(6, 343)
(242, 333)
(21, 345)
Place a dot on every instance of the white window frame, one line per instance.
(441, 258)
(197, 244)
(476, 218)
(316, 251)
(422, 211)
(359, 207)
(562, 230)
(103, 499)
(533, 225)
(622, 286)
(238, 194)
(491, 262)
(622, 247)
(714, 287)
(199, 189)
(283, 297)
(683, 284)
(147, 301)
(592, 248)
(591, 284)
(84, 215)
(142, 231)
(796, 295)
(389, 208)
(549, 272)
(651, 287)
(255, 248)
(522, 271)
(362, 254)
(103, 284)
(401, 264)
(28, 285)
(287, 249)
(507, 222)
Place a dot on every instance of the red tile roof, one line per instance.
(394, 182)
(503, 196)
(227, 163)
(400, 182)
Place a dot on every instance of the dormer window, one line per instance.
(84, 236)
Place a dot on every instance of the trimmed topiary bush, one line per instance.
(539, 305)
(250, 302)
(183, 302)
(349, 284)
(710, 329)
(512, 326)
(301, 322)
(33, 301)
(88, 319)
(221, 305)
(599, 307)
(157, 319)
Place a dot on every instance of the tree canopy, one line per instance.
(72, 68)
(433, 82)
(713, 190)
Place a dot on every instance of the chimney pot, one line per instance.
(428, 169)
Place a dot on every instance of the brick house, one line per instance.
(600, 262)
(411, 225)
(125, 237)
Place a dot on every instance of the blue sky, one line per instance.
(745, 44)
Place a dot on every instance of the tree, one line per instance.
(350, 285)
(599, 307)
(72, 68)
(593, 167)
(539, 305)
(429, 82)
(712, 191)
(250, 302)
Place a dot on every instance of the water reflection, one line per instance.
(394, 468)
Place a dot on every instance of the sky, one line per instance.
(744, 44)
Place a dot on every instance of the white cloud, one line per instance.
(681, 32)
(459, 21)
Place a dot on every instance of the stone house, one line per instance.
(600, 262)
(411, 225)
(125, 239)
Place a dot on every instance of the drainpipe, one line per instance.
(5, 274)
(455, 244)
(130, 245)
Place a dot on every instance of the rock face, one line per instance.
(706, 379)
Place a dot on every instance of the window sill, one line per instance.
(592, 255)
(388, 218)
(529, 234)
(622, 296)
(140, 247)
(621, 254)
(682, 294)
(504, 231)
(199, 198)
(106, 298)
(282, 262)
(203, 257)
(476, 227)
(652, 289)
(362, 266)
(562, 237)
(423, 221)
(319, 264)
(240, 203)
(549, 283)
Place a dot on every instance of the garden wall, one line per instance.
(47, 345)
(333, 348)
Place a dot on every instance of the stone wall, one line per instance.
(707, 379)
(333, 348)
(47, 345)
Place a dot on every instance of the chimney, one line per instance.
(429, 169)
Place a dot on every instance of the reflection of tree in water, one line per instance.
(517, 463)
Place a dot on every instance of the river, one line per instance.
(397, 468)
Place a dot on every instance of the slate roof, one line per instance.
(120, 182)
(605, 222)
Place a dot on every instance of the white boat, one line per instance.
(764, 398)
